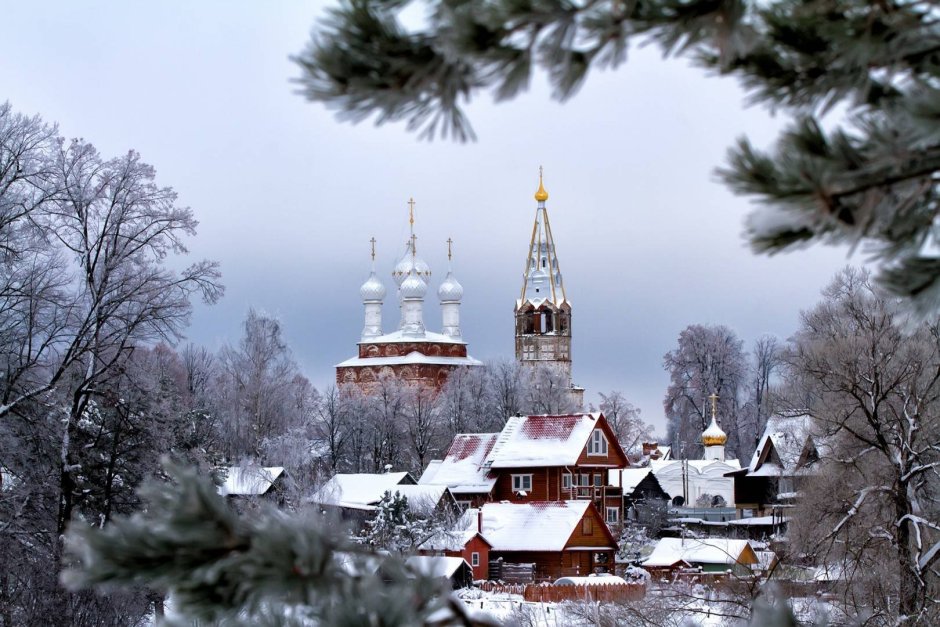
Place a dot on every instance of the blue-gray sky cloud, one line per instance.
(648, 240)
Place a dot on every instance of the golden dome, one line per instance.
(713, 435)
(541, 195)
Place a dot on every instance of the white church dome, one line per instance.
(372, 289)
(450, 290)
(408, 263)
(413, 286)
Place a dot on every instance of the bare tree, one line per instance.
(509, 383)
(624, 419)
(549, 392)
(766, 362)
(876, 386)
(422, 419)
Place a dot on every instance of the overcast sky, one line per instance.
(287, 196)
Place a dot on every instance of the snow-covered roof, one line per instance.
(358, 490)
(412, 358)
(400, 337)
(435, 565)
(462, 469)
(541, 526)
(629, 477)
(668, 551)
(788, 433)
(542, 440)
(456, 538)
(249, 480)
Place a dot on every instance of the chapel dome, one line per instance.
(450, 290)
(408, 263)
(372, 289)
(413, 286)
(713, 435)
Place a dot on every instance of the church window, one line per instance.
(521, 483)
(543, 262)
(597, 445)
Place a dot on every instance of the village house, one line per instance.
(707, 555)
(535, 459)
(643, 498)
(248, 482)
(560, 538)
(768, 486)
(355, 497)
(465, 540)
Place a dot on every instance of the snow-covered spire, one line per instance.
(372, 293)
(450, 292)
(714, 438)
(542, 278)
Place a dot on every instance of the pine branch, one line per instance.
(216, 566)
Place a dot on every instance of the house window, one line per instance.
(464, 505)
(521, 483)
(587, 526)
(598, 481)
(585, 479)
(597, 445)
(613, 515)
(566, 481)
(474, 559)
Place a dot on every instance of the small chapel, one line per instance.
(411, 354)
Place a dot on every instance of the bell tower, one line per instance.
(542, 311)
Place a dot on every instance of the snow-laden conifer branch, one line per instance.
(216, 565)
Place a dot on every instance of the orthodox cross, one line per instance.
(411, 212)
(714, 399)
(449, 242)
(372, 241)
(414, 248)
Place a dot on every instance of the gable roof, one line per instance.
(462, 469)
(249, 480)
(783, 444)
(538, 526)
(456, 538)
(547, 440)
(364, 490)
(669, 551)
(436, 565)
(630, 478)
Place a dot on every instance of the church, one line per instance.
(411, 354)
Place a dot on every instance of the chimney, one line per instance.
(480, 520)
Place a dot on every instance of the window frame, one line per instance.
(616, 513)
(566, 480)
(520, 479)
(475, 558)
(598, 446)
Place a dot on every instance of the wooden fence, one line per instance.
(549, 593)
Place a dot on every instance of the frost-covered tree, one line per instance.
(397, 526)
(708, 360)
(872, 511)
(764, 367)
(260, 390)
(625, 421)
(871, 182)
(548, 391)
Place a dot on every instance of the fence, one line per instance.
(548, 593)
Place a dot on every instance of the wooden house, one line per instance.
(536, 459)
(784, 456)
(465, 541)
(561, 538)
(709, 555)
